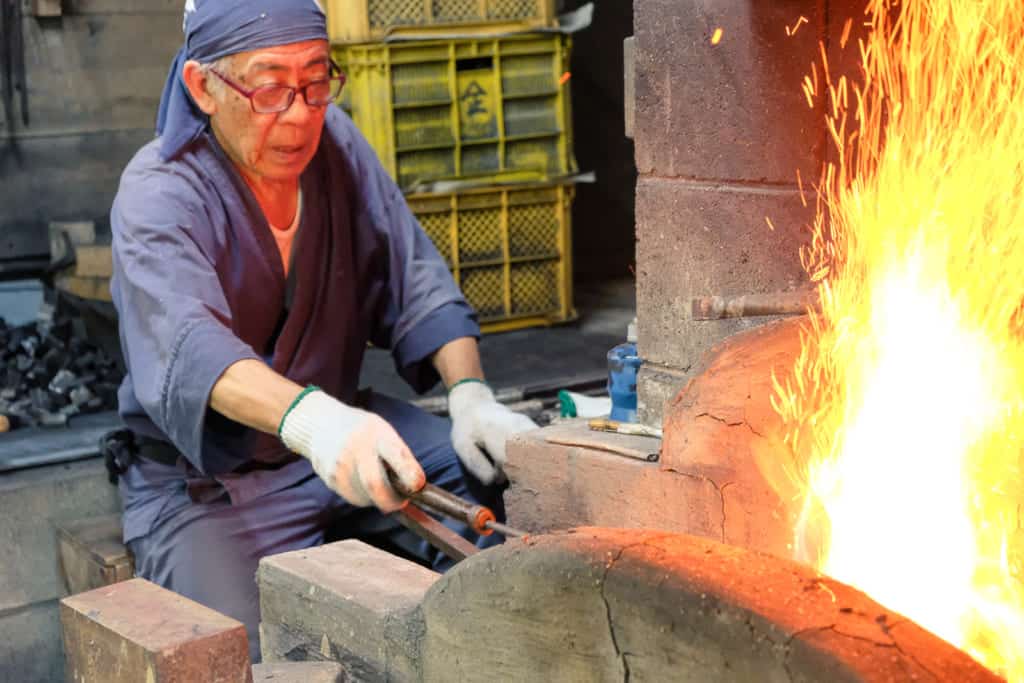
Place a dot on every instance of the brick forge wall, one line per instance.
(721, 131)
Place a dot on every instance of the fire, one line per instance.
(906, 407)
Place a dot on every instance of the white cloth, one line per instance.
(349, 448)
(479, 420)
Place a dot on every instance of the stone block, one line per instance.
(557, 487)
(92, 554)
(32, 501)
(733, 111)
(298, 672)
(137, 631)
(656, 386)
(30, 645)
(345, 602)
(696, 240)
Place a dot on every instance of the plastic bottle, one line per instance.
(623, 363)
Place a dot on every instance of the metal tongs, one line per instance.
(435, 500)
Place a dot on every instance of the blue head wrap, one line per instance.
(218, 28)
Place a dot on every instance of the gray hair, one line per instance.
(224, 65)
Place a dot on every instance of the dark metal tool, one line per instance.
(436, 500)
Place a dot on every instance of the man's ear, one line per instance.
(198, 87)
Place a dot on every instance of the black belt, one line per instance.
(121, 447)
(157, 451)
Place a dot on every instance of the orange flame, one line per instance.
(905, 409)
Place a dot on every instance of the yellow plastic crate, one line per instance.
(510, 250)
(486, 111)
(364, 21)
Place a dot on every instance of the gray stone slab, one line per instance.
(555, 487)
(30, 644)
(345, 602)
(31, 502)
(298, 672)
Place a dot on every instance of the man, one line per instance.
(258, 246)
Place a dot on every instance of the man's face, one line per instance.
(275, 147)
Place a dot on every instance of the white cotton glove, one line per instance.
(479, 420)
(348, 448)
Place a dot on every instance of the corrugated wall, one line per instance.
(94, 78)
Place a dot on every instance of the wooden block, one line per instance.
(138, 631)
(92, 260)
(47, 8)
(91, 553)
(298, 672)
(94, 288)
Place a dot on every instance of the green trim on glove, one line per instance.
(302, 394)
(465, 381)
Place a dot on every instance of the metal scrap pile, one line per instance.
(50, 372)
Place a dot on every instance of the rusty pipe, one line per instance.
(796, 302)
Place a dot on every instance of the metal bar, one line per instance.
(435, 499)
(435, 533)
(796, 302)
(506, 531)
(449, 505)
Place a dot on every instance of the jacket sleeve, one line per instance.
(419, 308)
(175, 323)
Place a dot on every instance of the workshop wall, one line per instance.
(721, 132)
(94, 76)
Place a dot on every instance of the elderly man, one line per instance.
(258, 246)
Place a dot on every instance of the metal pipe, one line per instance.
(439, 501)
(449, 505)
(796, 302)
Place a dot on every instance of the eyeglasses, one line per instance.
(274, 99)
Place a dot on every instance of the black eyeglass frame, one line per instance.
(250, 94)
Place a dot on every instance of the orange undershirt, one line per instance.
(285, 236)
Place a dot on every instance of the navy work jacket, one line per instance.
(198, 285)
